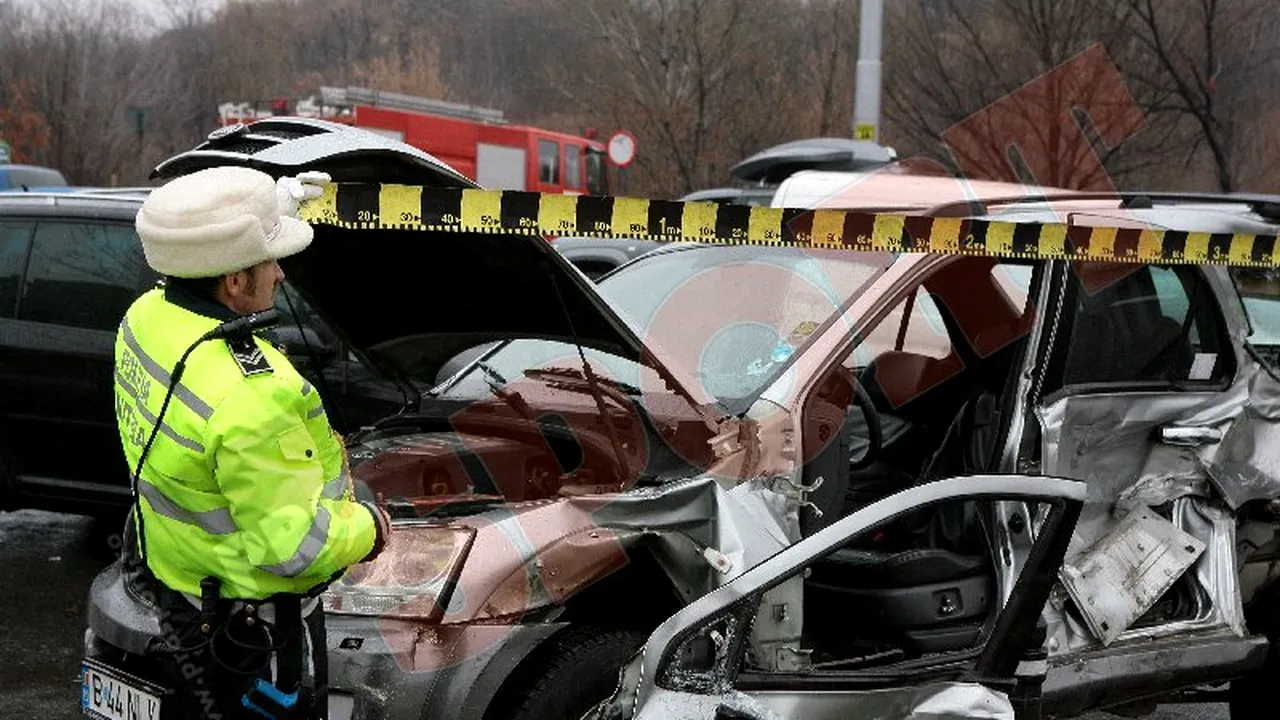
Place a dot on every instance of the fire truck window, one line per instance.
(549, 162)
(595, 173)
(572, 167)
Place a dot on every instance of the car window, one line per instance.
(1260, 293)
(1145, 324)
(84, 275)
(15, 239)
(923, 334)
(549, 162)
(1015, 282)
(32, 177)
(572, 167)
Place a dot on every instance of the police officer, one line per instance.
(245, 506)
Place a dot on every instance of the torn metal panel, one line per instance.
(1113, 443)
(1216, 572)
(534, 555)
(1125, 573)
(1218, 604)
(1247, 464)
(1156, 488)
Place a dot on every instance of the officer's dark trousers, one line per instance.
(212, 671)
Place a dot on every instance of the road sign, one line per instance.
(864, 131)
(6, 152)
(622, 148)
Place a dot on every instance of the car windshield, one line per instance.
(728, 318)
(732, 316)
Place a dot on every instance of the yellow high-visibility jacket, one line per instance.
(246, 480)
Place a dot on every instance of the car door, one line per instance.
(80, 278)
(15, 245)
(698, 663)
(1140, 386)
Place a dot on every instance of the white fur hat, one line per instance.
(216, 221)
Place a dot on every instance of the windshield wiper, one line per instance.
(488, 370)
(593, 381)
(578, 374)
(497, 385)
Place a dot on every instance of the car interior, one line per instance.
(926, 583)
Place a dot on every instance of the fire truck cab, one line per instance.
(477, 142)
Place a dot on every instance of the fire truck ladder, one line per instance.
(350, 96)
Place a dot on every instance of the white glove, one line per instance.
(291, 191)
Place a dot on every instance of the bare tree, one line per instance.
(1211, 63)
(998, 88)
(695, 80)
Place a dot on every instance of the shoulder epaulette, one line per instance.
(248, 356)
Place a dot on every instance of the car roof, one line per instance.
(774, 164)
(78, 203)
(730, 194)
(890, 190)
(938, 196)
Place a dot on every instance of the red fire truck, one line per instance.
(477, 142)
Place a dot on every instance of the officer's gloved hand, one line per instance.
(291, 191)
(382, 521)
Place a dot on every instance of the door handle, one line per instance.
(1189, 436)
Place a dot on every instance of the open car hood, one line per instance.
(409, 301)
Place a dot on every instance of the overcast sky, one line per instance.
(159, 12)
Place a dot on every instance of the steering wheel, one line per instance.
(875, 433)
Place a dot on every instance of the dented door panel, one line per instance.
(660, 682)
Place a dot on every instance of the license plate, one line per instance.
(108, 694)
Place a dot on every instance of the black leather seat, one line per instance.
(932, 588)
(925, 600)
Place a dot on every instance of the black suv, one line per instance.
(70, 265)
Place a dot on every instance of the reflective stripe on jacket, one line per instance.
(246, 481)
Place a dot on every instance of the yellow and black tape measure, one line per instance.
(407, 207)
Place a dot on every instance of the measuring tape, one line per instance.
(367, 206)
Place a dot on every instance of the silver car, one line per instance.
(1127, 523)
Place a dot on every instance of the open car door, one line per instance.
(704, 662)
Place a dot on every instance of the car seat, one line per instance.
(930, 589)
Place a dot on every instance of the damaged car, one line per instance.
(777, 479)
(1148, 576)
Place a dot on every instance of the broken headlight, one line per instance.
(413, 577)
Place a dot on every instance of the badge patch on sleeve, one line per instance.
(249, 357)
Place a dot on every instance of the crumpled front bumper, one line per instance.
(383, 669)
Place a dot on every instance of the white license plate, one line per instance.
(109, 694)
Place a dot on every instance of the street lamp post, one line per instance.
(866, 103)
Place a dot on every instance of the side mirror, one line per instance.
(304, 345)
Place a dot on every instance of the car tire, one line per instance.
(568, 676)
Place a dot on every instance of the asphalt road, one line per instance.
(46, 565)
